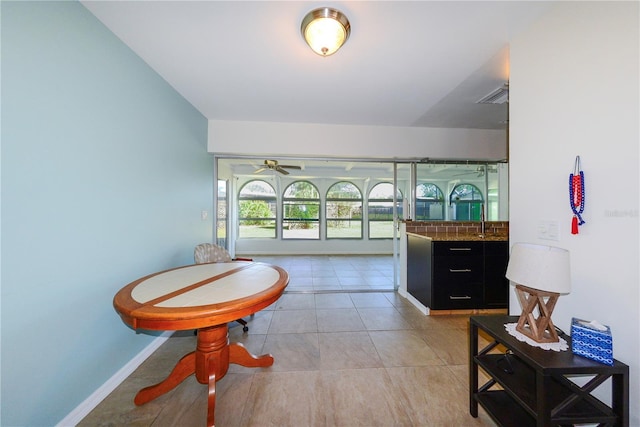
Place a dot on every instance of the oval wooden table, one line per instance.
(204, 297)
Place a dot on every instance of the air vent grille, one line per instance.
(498, 96)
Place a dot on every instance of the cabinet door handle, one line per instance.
(461, 270)
(459, 249)
(459, 297)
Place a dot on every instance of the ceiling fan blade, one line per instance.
(282, 171)
(261, 170)
(290, 167)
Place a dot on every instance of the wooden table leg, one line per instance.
(184, 368)
(211, 399)
(239, 355)
(210, 362)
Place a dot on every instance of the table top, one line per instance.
(199, 295)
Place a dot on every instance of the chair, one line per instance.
(208, 252)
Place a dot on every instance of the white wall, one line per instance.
(574, 91)
(341, 141)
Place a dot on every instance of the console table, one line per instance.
(529, 386)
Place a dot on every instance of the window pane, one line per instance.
(429, 202)
(221, 214)
(384, 190)
(344, 219)
(257, 219)
(380, 229)
(249, 229)
(466, 201)
(301, 217)
(344, 190)
(380, 210)
(344, 229)
(344, 211)
(302, 190)
(257, 211)
(257, 189)
(427, 210)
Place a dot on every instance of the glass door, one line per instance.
(403, 189)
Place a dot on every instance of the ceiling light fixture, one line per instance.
(325, 30)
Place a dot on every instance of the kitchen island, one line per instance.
(452, 267)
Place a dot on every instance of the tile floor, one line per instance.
(341, 359)
(335, 272)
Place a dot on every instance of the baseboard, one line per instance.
(424, 310)
(105, 389)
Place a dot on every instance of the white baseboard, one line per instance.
(105, 389)
(415, 302)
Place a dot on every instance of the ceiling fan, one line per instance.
(273, 165)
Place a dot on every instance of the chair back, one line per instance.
(208, 252)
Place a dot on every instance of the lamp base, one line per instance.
(540, 329)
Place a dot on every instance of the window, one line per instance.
(223, 223)
(466, 203)
(380, 210)
(301, 207)
(429, 202)
(343, 211)
(257, 210)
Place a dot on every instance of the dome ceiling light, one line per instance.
(325, 30)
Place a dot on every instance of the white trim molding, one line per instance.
(91, 402)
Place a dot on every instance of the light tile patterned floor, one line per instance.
(335, 272)
(341, 359)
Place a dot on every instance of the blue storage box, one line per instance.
(592, 340)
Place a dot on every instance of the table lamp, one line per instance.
(541, 274)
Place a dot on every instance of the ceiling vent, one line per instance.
(498, 96)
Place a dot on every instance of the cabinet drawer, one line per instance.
(457, 269)
(458, 295)
(461, 248)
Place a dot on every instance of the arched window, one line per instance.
(466, 202)
(257, 210)
(429, 202)
(343, 211)
(301, 207)
(380, 210)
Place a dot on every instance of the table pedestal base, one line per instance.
(209, 362)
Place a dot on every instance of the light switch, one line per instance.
(204, 215)
(549, 230)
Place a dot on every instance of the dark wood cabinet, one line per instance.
(458, 275)
(496, 290)
(449, 275)
(418, 250)
(529, 386)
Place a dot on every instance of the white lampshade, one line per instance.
(545, 268)
(325, 30)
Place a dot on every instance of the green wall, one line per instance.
(104, 174)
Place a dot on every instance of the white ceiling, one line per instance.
(416, 63)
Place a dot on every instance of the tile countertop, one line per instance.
(444, 237)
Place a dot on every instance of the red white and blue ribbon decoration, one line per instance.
(576, 196)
